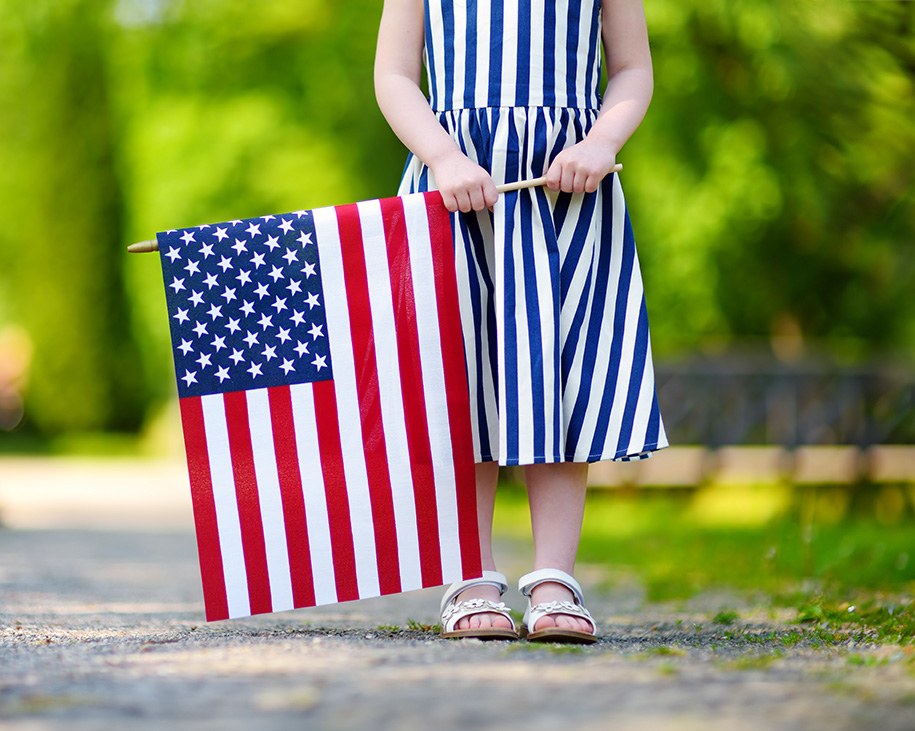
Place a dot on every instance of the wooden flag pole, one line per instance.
(145, 247)
(534, 182)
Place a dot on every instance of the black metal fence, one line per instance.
(733, 400)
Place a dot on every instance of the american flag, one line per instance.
(324, 403)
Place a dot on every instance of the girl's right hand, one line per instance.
(464, 185)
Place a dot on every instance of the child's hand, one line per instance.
(464, 185)
(580, 168)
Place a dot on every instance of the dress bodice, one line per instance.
(507, 53)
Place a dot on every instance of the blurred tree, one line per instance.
(62, 209)
(235, 111)
(773, 182)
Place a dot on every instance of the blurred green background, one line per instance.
(772, 191)
(772, 185)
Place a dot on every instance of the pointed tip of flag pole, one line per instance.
(143, 247)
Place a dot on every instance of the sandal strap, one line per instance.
(527, 582)
(456, 611)
(536, 612)
(490, 578)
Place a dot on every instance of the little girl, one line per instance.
(552, 307)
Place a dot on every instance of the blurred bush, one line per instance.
(771, 186)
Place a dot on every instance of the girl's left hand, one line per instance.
(580, 168)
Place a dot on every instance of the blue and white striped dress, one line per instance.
(553, 311)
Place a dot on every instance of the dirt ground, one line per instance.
(101, 626)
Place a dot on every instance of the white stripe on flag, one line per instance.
(319, 544)
(271, 500)
(390, 393)
(224, 497)
(341, 357)
(417, 224)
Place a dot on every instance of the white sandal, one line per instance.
(454, 611)
(536, 612)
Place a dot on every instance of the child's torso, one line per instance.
(508, 53)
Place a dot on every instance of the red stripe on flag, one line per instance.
(455, 382)
(376, 458)
(249, 508)
(411, 380)
(208, 551)
(290, 477)
(338, 515)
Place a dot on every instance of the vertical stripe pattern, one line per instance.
(555, 325)
(362, 484)
(492, 53)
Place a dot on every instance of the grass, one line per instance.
(834, 555)
(753, 661)
(725, 617)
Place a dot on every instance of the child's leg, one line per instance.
(487, 474)
(557, 498)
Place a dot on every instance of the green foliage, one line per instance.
(62, 204)
(874, 620)
(725, 617)
(771, 186)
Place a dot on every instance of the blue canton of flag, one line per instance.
(245, 304)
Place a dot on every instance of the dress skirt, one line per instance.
(553, 311)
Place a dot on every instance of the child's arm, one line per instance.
(580, 168)
(464, 185)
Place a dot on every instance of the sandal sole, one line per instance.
(481, 634)
(567, 636)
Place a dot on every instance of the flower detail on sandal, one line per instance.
(454, 611)
(536, 612)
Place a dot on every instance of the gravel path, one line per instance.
(102, 627)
